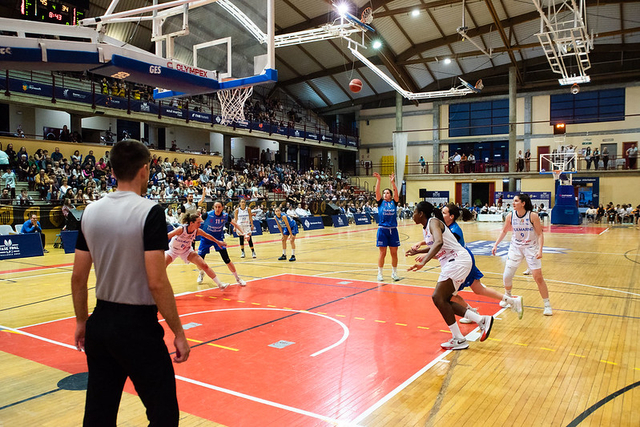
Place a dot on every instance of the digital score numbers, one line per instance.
(56, 11)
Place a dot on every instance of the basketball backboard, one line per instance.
(231, 38)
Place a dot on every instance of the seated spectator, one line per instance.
(56, 156)
(42, 183)
(25, 198)
(542, 212)
(5, 198)
(65, 135)
(33, 226)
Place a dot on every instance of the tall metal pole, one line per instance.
(512, 128)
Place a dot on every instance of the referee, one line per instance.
(124, 235)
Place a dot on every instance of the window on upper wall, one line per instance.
(479, 118)
(588, 107)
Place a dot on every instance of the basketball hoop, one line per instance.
(367, 15)
(557, 173)
(232, 103)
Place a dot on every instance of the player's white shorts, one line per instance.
(518, 253)
(456, 268)
(184, 255)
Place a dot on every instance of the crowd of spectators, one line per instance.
(76, 179)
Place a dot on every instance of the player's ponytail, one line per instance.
(429, 210)
(457, 212)
(524, 198)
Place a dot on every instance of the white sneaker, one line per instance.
(455, 344)
(380, 278)
(242, 256)
(503, 303)
(467, 321)
(547, 311)
(485, 327)
(517, 306)
(395, 277)
(527, 272)
(253, 255)
(200, 277)
(223, 286)
(242, 282)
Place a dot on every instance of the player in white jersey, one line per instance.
(455, 265)
(244, 218)
(180, 245)
(527, 241)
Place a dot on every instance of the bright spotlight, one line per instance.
(342, 8)
(415, 12)
(447, 61)
(377, 44)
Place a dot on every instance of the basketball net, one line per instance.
(556, 174)
(232, 103)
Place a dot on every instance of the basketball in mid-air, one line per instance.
(355, 85)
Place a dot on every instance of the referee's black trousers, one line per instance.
(127, 341)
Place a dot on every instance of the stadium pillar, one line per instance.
(153, 135)
(436, 138)
(76, 124)
(512, 128)
(226, 151)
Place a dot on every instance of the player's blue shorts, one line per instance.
(206, 245)
(474, 274)
(294, 228)
(387, 237)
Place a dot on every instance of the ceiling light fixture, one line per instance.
(415, 12)
(342, 8)
(447, 61)
(377, 44)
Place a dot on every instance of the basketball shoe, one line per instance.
(455, 344)
(547, 310)
(200, 277)
(485, 327)
(282, 258)
(241, 282)
(518, 306)
(242, 256)
(223, 286)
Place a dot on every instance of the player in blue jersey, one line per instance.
(387, 226)
(289, 228)
(213, 224)
(450, 214)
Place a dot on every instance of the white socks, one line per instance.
(473, 316)
(455, 331)
(380, 270)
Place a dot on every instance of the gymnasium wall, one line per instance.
(613, 188)
(377, 125)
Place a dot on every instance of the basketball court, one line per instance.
(319, 342)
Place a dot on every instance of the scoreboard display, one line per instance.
(67, 12)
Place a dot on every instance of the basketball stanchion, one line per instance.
(232, 104)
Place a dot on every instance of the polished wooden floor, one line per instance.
(579, 367)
